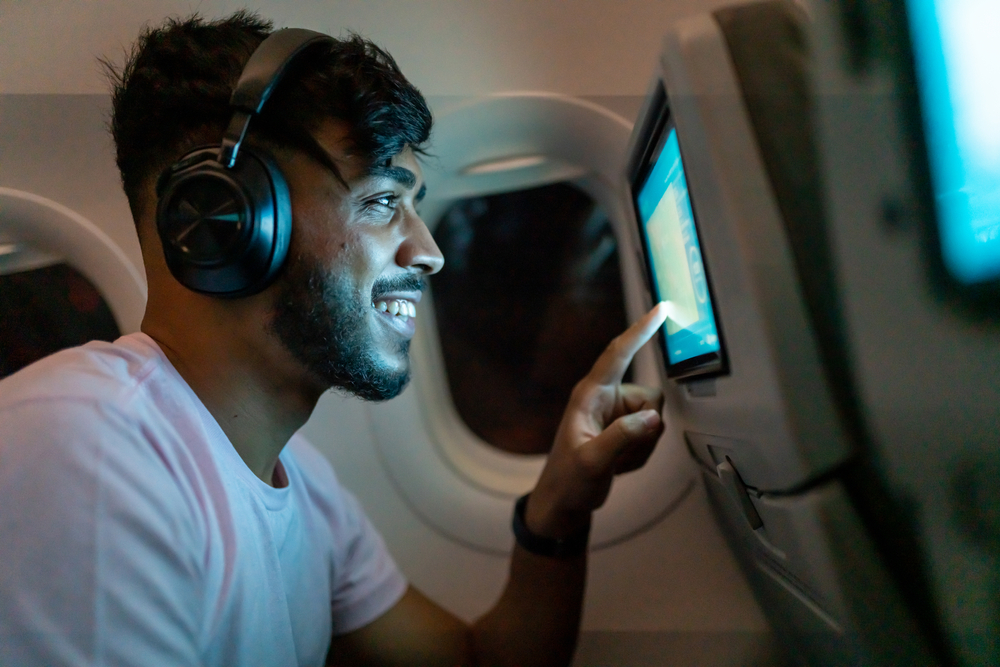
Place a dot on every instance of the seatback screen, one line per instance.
(956, 51)
(673, 254)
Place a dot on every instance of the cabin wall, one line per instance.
(57, 146)
(446, 47)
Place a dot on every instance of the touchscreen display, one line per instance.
(956, 53)
(674, 258)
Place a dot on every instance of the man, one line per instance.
(156, 505)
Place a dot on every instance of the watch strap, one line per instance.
(567, 547)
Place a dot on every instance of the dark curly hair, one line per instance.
(172, 94)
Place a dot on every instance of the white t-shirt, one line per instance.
(132, 533)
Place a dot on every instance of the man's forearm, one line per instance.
(536, 621)
(608, 428)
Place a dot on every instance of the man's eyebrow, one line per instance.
(401, 175)
(420, 195)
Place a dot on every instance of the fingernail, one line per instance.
(649, 419)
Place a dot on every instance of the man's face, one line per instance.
(346, 306)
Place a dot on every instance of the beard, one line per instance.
(323, 321)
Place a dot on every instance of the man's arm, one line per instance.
(608, 428)
(100, 561)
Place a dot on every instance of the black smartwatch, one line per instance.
(568, 547)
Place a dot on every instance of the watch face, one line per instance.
(206, 219)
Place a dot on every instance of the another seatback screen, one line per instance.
(677, 271)
(956, 51)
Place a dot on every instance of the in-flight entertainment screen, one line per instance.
(956, 51)
(677, 271)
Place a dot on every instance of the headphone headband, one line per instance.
(261, 74)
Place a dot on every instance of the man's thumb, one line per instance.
(623, 431)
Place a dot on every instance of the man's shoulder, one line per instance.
(98, 372)
(93, 417)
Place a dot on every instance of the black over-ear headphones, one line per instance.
(225, 224)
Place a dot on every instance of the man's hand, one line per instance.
(608, 428)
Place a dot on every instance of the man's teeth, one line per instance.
(397, 307)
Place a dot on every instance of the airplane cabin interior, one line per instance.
(811, 186)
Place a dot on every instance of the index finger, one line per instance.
(610, 367)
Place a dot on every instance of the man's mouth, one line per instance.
(398, 310)
(395, 301)
(401, 308)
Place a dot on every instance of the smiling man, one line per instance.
(156, 504)
(367, 302)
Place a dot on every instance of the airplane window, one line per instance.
(529, 296)
(46, 310)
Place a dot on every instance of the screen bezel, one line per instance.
(658, 126)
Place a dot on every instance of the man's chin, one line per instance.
(376, 376)
(323, 322)
(384, 387)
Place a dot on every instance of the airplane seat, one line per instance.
(64, 281)
(775, 424)
(770, 52)
(770, 47)
(906, 121)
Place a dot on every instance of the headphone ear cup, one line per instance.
(225, 232)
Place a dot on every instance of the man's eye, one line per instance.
(385, 202)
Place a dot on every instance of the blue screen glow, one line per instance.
(675, 257)
(957, 51)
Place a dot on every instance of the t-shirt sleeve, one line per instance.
(92, 567)
(365, 581)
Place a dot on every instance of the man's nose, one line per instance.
(419, 250)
